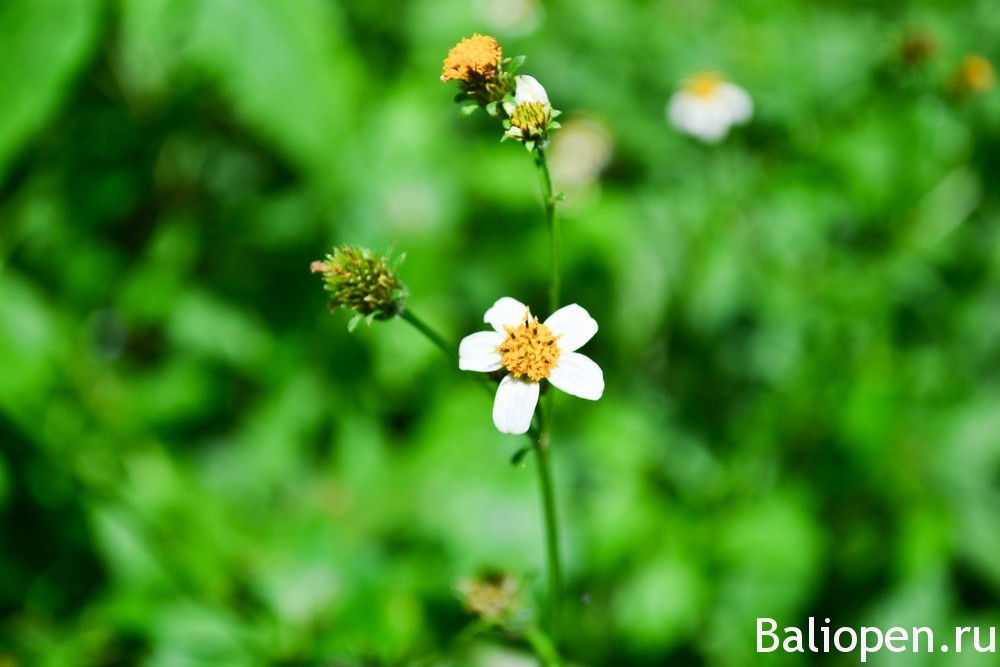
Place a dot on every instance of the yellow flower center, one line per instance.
(473, 58)
(530, 117)
(977, 73)
(529, 349)
(704, 85)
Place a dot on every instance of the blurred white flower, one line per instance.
(579, 152)
(532, 351)
(707, 105)
(514, 18)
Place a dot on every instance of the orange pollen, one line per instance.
(475, 57)
(530, 349)
(704, 85)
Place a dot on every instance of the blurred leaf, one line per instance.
(45, 44)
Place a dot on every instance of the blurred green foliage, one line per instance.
(800, 329)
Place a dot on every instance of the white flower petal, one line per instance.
(578, 375)
(514, 405)
(477, 352)
(574, 324)
(529, 90)
(737, 101)
(506, 311)
(706, 119)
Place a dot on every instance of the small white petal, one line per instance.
(514, 405)
(506, 311)
(705, 118)
(574, 324)
(477, 352)
(578, 375)
(737, 101)
(529, 90)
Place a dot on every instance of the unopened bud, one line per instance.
(359, 280)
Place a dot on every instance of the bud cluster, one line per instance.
(489, 81)
(359, 280)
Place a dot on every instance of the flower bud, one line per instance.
(483, 75)
(358, 280)
(494, 596)
(530, 115)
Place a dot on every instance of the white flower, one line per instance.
(529, 90)
(530, 116)
(707, 106)
(532, 351)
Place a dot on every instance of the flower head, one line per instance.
(707, 105)
(975, 74)
(532, 351)
(492, 595)
(484, 76)
(530, 115)
(359, 280)
(474, 58)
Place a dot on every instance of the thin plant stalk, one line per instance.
(545, 412)
(551, 520)
(450, 351)
(544, 647)
(549, 201)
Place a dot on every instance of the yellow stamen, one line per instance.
(704, 84)
(530, 117)
(530, 349)
(473, 58)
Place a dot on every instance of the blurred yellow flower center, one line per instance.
(529, 116)
(977, 73)
(705, 84)
(529, 349)
(473, 58)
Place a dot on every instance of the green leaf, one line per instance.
(283, 67)
(44, 44)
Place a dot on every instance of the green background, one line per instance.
(800, 332)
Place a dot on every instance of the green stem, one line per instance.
(549, 200)
(551, 520)
(543, 647)
(450, 351)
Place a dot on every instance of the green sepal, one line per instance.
(353, 323)
(468, 109)
(519, 455)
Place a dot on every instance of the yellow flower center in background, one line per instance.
(529, 117)
(530, 349)
(474, 57)
(977, 74)
(705, 84)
